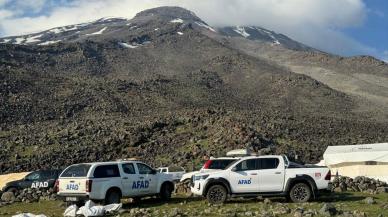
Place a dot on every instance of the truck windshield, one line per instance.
(80, 170)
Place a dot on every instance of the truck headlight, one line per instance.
(201, 177)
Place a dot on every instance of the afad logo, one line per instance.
(245, 181)
(39, 185)
(72, 186)
(140, 184)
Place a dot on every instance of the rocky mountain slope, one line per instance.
(168, 88)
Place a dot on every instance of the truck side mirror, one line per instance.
(234, 169)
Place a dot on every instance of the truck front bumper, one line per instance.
(197, 188)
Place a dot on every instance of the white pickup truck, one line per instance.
(175, 172)
(111, 181)
(254, 176)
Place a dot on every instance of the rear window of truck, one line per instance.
(80, 170)
(220, 164)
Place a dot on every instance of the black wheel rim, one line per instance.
(300, 193)
(216, 195)
(114, 198)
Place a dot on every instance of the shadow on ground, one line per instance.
(156, 202)
(324, 198)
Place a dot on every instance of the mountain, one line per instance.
(259, 34)
(168, 88)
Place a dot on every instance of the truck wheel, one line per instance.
(13, 190)
(300, 193)
(216, 194)
(166, 191)
(113, 196)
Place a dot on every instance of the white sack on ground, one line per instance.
(28, 215)
(71, 211)
(91, 210)
(113, 207)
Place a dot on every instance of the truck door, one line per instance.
(148, 179)
(30, 180)
(244, 177)
(271, 175)
(129, 179)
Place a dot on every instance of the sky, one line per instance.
(343, 27)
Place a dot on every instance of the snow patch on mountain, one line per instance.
(56, 30)
(126, 45)
(241, 30)
(99, 32)
(33, 39)
(275, 40)
(180, 33)
(49, 42)
(72, 28)
(6, 40)
(65, 28)
(19, 40)
(177, 20)
(205, 26)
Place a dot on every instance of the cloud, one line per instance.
(5, 14)
(317, 23)
(2, 2)
(34, 5)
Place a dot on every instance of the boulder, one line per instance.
(369, 200)
(328, 209)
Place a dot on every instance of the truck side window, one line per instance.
(106, 171)
(33, 176)
(144, 169)
(45, 174)
(129, 168)
(251, 164)
(269, 163)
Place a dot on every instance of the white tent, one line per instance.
(369, 160)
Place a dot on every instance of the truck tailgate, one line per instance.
(72, 186)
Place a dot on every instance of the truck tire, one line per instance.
(112, 196)
(166, 191)
(300, 193)
(216, 194)
(12, 189)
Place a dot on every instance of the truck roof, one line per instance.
(224, 158)
(110, 162)
(262, 156)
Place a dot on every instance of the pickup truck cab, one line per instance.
(36, 179)
(111, 181)
(253, 176)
